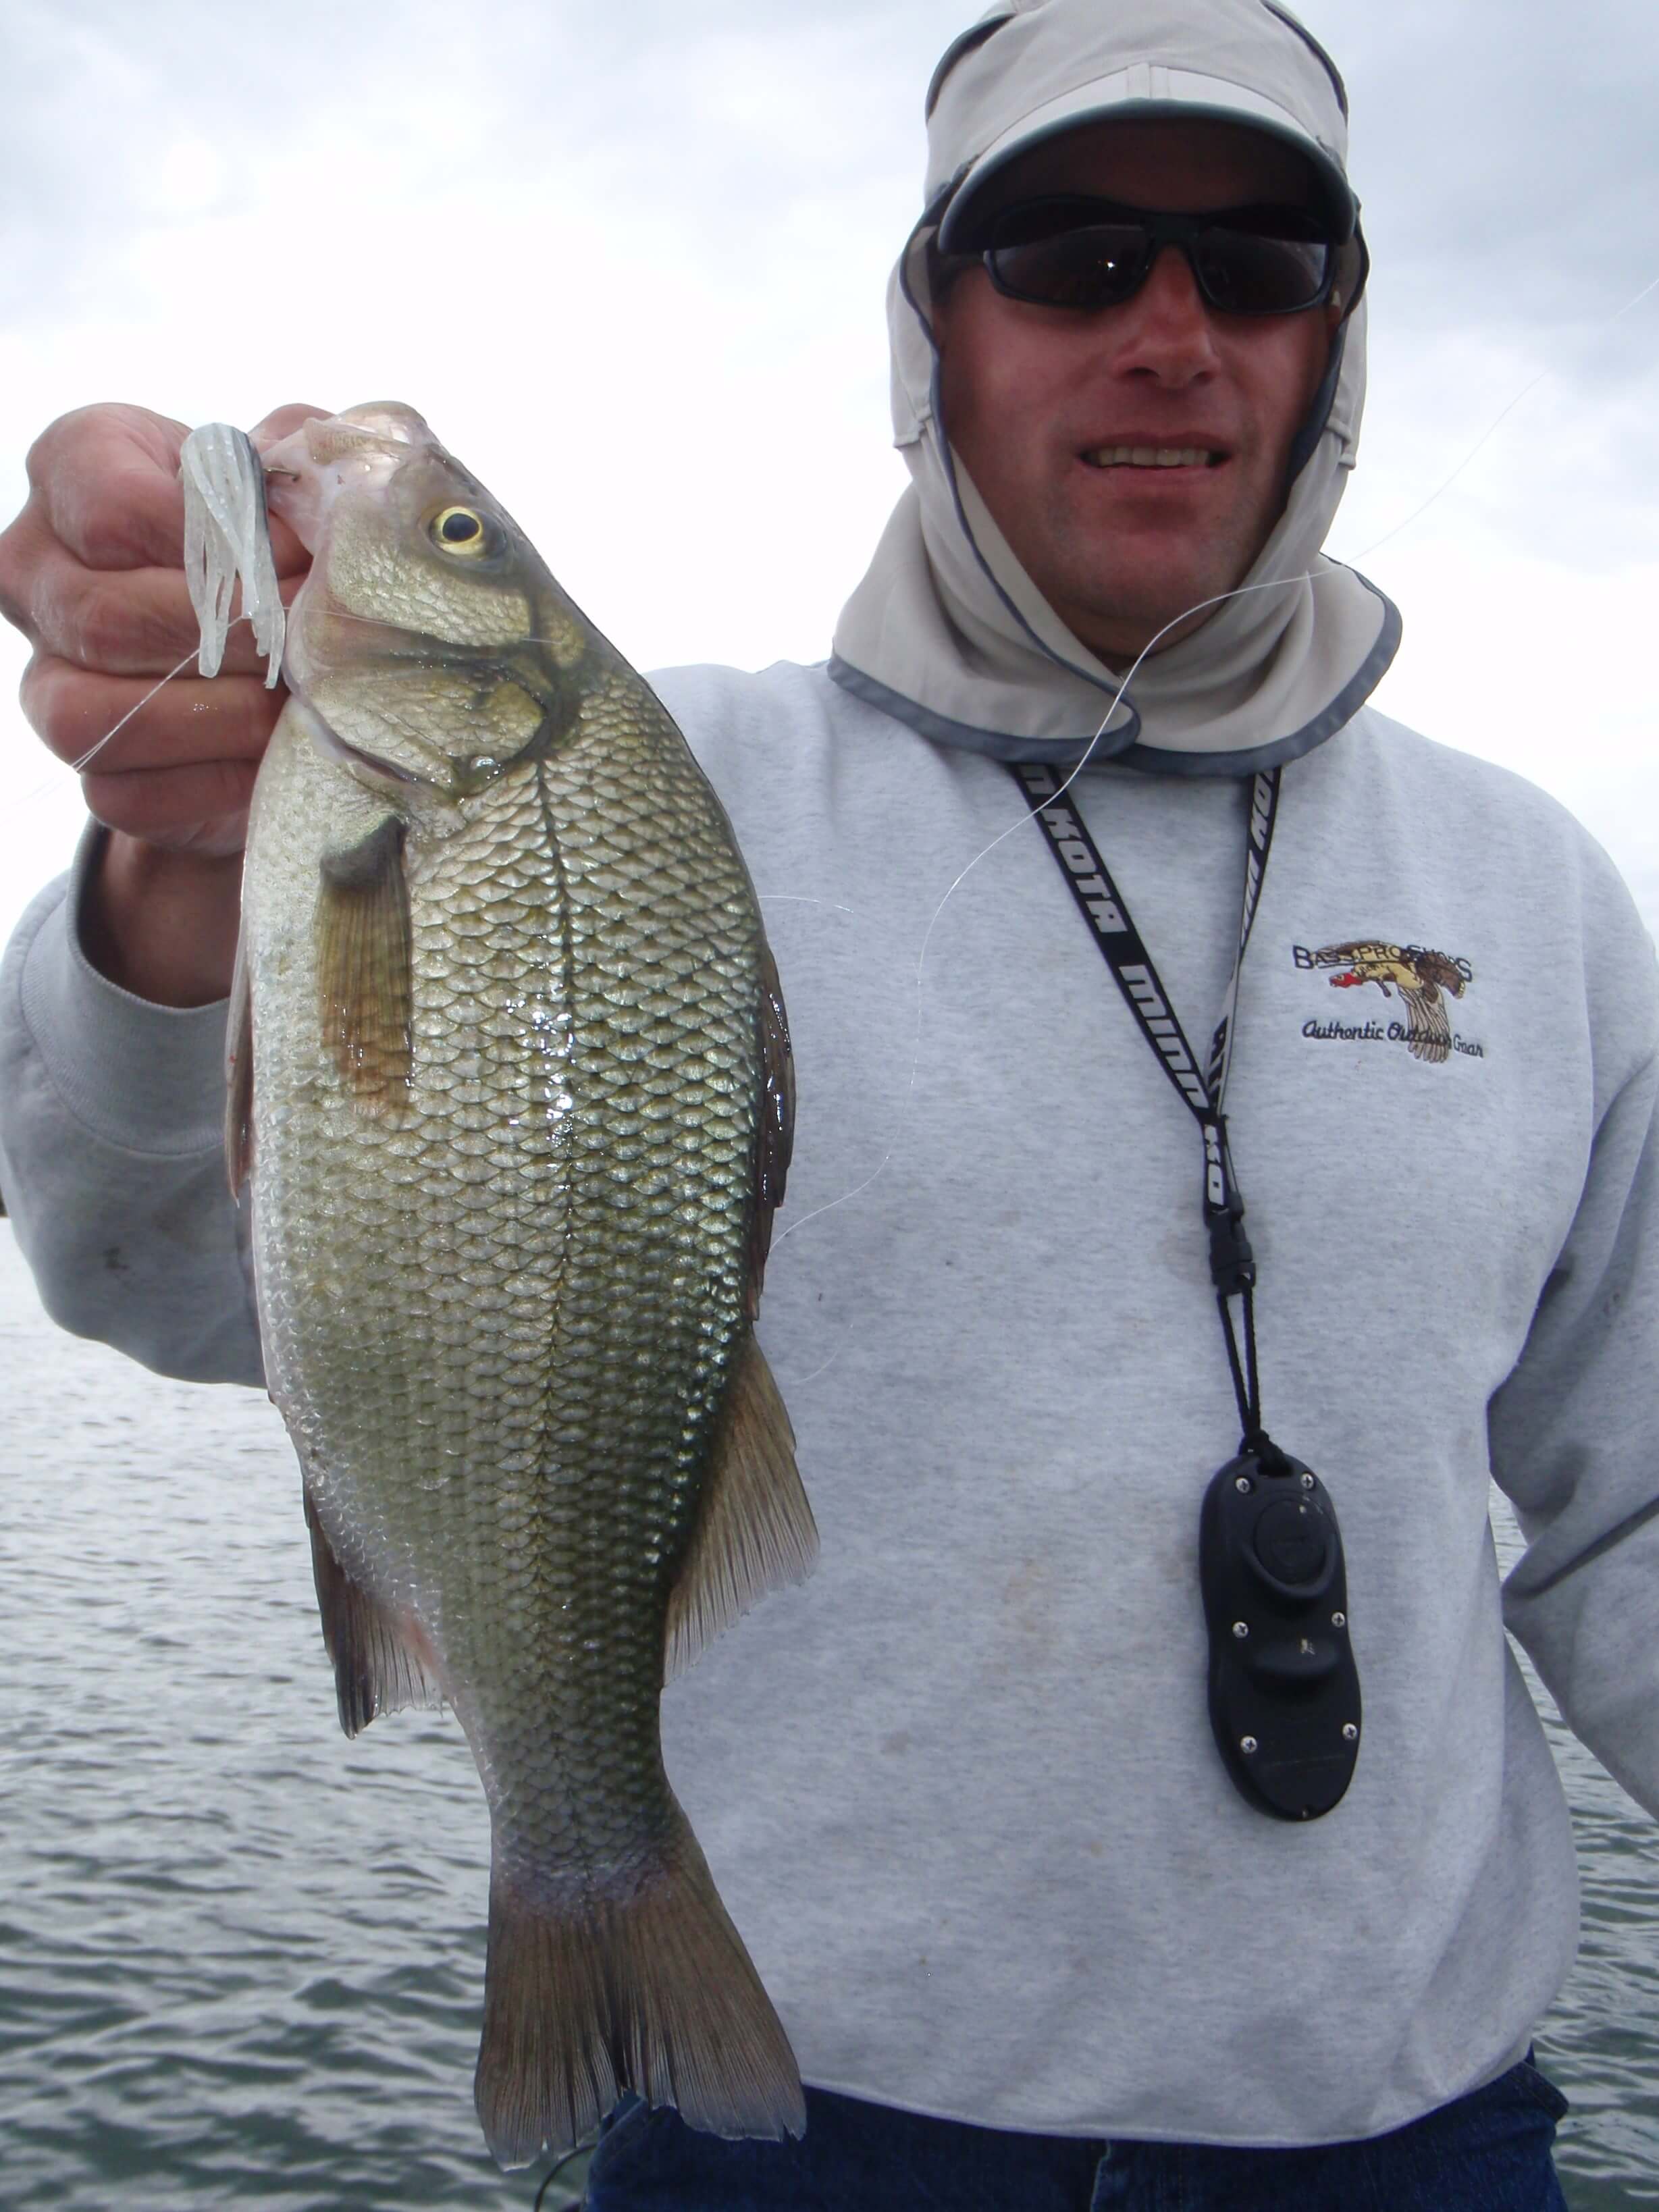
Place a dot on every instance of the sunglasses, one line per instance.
(1088, 253)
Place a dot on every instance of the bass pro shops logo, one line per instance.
(1423, 980)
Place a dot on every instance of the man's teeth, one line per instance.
(1150, 457)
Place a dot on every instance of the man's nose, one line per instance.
(1165, 328)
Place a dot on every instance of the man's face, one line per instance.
(1036, 399)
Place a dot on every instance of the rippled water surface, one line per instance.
(240, 1959)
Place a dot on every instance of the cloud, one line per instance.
(1505, 151)
(630, 260)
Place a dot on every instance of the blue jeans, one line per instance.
(1487, 2151)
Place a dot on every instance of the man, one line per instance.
(1035, 1938)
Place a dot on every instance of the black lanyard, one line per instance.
(1202, 1091)
(1283, 1688)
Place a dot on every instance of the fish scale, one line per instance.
(511, 1016)
(607, 1448)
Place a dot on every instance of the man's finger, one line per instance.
(127, 622)
(192, 720)
(199, 809)
(107, 477)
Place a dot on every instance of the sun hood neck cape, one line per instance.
(946, 631)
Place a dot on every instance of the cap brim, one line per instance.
(1126, 96)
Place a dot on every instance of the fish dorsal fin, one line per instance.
(756, 1531)
(238, 1074)
(364, 983)
(377, 1669)
(775, 1134)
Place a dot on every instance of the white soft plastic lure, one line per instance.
(227, 537)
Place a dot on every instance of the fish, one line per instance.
(511, 1092)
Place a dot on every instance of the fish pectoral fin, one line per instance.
(756, 1531)
(239, 1074)
(376, 1669)
(365, 989)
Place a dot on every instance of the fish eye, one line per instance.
(459, 529)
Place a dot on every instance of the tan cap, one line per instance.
(1030, 69)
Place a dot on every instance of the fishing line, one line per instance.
(74, 766)
(1274, 583)
(337, 614)
(236, 525)
(554, 2172)
(235, 532)
(831, 1205)
(802, 898)
(1493, 428)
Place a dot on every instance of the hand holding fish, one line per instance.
(91, 571)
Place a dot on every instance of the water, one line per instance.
(241, 1960)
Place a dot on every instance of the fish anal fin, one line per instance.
(365, 988)
(377, 1669)
(756, 1531)
(635, 1982)
(239, 1074)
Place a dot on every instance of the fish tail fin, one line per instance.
(648, 1989)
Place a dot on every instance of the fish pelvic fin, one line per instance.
(364, 987)
(755, 1532)
(376, 1668)
(644, 1986)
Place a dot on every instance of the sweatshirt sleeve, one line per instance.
(1574, 1432)
(112, 1154)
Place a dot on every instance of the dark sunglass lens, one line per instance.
(1244, 273)
(1094, 266)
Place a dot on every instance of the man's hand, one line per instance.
(92, 573)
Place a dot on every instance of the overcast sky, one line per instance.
(630, 260)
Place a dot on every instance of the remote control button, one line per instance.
(1292, 1542)
(1293, 1661)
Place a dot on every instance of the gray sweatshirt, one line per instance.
(959, 1791)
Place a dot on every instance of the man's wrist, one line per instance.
(161, 923)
